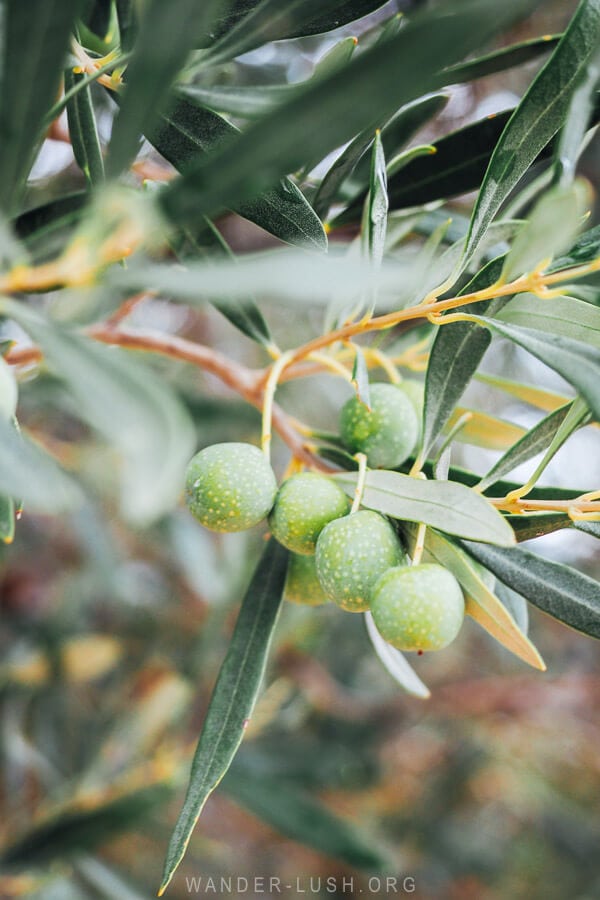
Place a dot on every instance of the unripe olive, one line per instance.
(418, 607)
(230, 487)
(352, 554)
(302, 584)
(387, 432)
(8, 391)
(415, 391)
(304, 505)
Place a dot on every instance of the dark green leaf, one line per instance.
(564, 316)
(77, 830)
(457, 350)
(247, 102)
(528, 526)
(535, 441)
(44, 229)
(233, 697)
(189, 131)
(538, 117)
(396, 134)
(83, 131)
(446, 505)
(34, 39)
(500, 60)
(270, 20)
(134, 409)
(578, 363)
(127, 19)
(299, 816)
(556, 589)
(167, 34)
(584, 250)
(457, 166)
(372, 86)
(245, 314)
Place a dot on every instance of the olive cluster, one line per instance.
(355, 559)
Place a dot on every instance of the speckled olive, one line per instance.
(304, 505)
(8, 391)
(387, 431)
(352, 554)
(230, 487)
(302, 584)
(418, 607)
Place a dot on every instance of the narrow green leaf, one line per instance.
(247, 102)
(515, 604)
(29, 474)
(564, 316)
(377, 205)
(128, 25)
(339, 55)
(396, 663)
(446, 505)
(83, 131)
(372, 86)
(233, 697)
(301, 817)
(551, 228)
(537, 118)
(326, 19)
(189, 131)
(44, 229)
(133, 408)
(482, 603)
(33, 42)
(245, 314)
(70, 832)
(578, 363)
(270, 20)
(584, 250)
(535, 441)
(572, 137)
(167, 34)
(592, 528)
(528, 526)
(457, 166)
(560, 591)
(501, 60)
(394, 135)
(456, 352)
(7, 519)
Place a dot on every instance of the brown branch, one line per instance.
(248, 383)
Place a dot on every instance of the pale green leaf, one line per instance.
(446, 505)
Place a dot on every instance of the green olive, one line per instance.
(304, 505)
(387, 432)
(230, 487)
(352, 554)
(418, 607)
(302, 584)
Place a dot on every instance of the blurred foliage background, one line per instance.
(111, 641)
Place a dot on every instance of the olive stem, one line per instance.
(269, 395)
(419, 544)
(361, 459)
